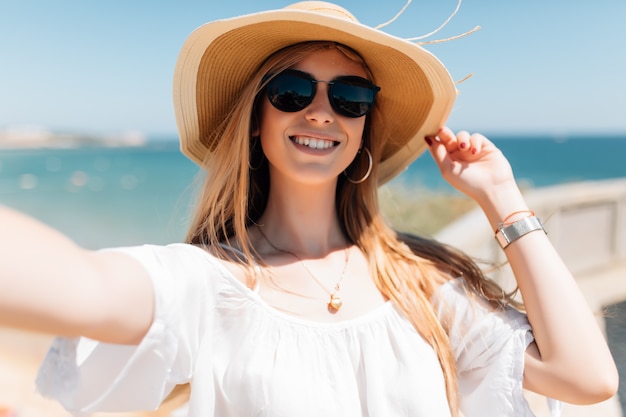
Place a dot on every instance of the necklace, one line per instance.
(335, 302)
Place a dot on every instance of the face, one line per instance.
(315, 144)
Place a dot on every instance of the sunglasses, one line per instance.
(292, 90)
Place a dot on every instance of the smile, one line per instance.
(314, 143)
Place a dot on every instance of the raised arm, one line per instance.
(49, 284)
(569, 359)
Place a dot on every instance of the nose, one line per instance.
(320, 110)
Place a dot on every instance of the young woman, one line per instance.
(292, 296)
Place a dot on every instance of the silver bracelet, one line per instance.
(509, 233)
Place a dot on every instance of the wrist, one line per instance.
(501, 202)
(508, 233)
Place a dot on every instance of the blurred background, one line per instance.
(88, 142)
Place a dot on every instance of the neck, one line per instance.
(303, 219)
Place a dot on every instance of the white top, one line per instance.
(244, 358)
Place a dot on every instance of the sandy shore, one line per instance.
(20, 355)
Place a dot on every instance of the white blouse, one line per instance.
(244, 358)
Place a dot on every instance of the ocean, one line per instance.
(131, 195)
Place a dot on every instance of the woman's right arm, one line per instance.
(49, 284)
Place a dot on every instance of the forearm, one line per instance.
(572, 353)
(49, 284)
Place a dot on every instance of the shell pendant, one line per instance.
(335, 303)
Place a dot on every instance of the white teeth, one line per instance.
(313, 142)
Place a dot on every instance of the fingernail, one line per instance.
(463, 145)
(474, 151)
(428, 140)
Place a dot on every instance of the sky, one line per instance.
(539, 66)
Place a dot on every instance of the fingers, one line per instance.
(438, 149)
(462, 145)
(464, 142)
(469, 162)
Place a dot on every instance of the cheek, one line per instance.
(356, 129)
(269, 129)
(270, 119)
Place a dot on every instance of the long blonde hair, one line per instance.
(406, 269)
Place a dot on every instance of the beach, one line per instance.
(20, 355)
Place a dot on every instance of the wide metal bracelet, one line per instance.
(509, 233)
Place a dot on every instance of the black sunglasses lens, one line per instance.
(352, 96)
(290, 91)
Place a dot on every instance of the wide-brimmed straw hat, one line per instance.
(219, 58)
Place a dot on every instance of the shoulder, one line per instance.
(453, 294)
(472, 321)
(458, 294)
(460, 308)
(178, 261)
(176, 253)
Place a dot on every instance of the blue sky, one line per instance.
(540, 66)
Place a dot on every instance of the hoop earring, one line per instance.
(255, 140)
(369, 169)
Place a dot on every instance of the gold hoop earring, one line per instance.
(369, 169)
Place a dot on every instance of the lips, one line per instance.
(314, 143)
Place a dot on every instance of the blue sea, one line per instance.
(131, 195)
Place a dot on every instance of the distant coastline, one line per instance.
(28, 138)
(21, 137)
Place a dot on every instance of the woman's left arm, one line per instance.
(569, 359)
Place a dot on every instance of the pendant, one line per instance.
(335, 302)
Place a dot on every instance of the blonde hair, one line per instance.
(406, 269)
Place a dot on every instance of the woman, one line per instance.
(292, 296)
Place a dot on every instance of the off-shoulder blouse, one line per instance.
(244, 358)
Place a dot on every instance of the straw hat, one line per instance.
(218, 59)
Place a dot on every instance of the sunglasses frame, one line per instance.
(342, 81)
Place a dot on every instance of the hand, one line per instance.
(470, 163)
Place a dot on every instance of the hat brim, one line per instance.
(217, 60)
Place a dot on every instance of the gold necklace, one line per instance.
(335, 302)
